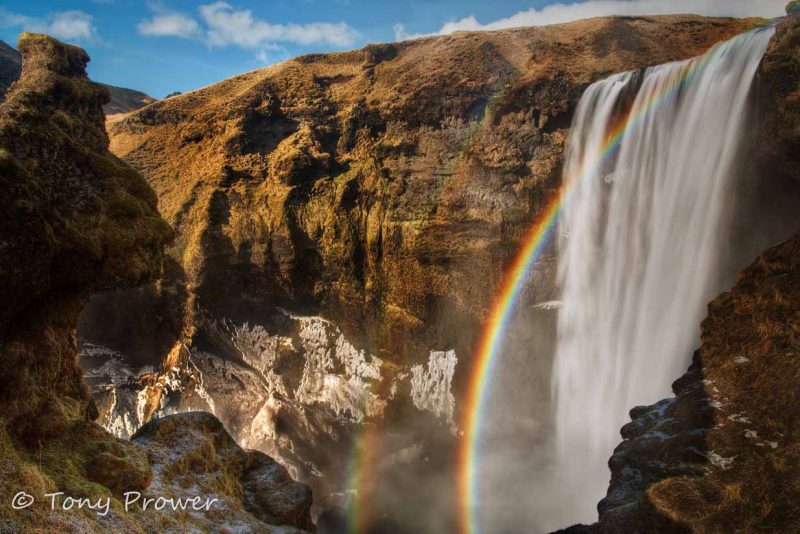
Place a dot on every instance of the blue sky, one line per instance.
(164, 46)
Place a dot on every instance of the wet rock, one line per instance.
(119, 474)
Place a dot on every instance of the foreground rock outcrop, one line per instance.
(193, 451)
(77, 220)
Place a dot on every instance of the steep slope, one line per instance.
(122, 100)
(125, 100)
(77, 220)
(383, 189)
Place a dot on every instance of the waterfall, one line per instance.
(642, 233)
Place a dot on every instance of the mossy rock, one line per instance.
(118, 473)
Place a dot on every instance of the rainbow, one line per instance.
(502, 311)
(362, 462)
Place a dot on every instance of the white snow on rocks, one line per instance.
(431, 385)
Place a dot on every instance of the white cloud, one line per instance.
(559, 13)
(70, 25)
(228, 26)
(10, 20)
(170, 24)
(220, 24)
(64, 25)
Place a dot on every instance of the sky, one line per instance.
(160, 46)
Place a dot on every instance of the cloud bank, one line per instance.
(69, 25)
(229, 26)
(220, 24)
(559, 13)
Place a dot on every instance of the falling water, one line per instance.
(642, 234)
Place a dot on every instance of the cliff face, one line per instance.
(721, 456)
(77, 220)
(779, 104)
(342, 223)
(378, 186)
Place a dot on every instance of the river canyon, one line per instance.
(343, 232)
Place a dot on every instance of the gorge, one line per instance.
(339, 237)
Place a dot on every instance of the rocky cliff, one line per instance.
(10, 67)
(721, 455)
(342, 222)
(76, 221)
(377, 186)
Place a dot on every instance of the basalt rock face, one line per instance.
(77, 220)
(345, 219)
(780, 100)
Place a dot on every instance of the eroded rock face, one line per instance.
(77, 220)
(299, 394)
(384, 188)
(779, 130)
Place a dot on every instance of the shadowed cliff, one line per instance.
(76, 221)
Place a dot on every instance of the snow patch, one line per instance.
(431, 385)
(720, 461)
